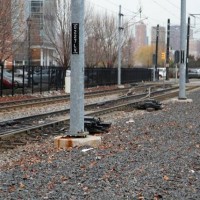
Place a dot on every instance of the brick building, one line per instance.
(34, 44)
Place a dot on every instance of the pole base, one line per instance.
(61, 142)
(182, 98)
(77, 135)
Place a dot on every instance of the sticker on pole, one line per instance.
(182, 56)
(75, 38)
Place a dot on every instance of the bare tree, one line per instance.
(127, 45)
(101, 35)
(102, 41)
(128, 49)
(10, 19)
(94, 38)
(57, 29)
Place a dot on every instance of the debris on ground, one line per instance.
(150, 104)
(95, 125)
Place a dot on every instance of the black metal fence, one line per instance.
(108, 76)
(36, 79)
(26, 80)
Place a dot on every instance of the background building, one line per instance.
(175, 37)
(194, 49)
(34, 44)
(141, 39)
(161, 38)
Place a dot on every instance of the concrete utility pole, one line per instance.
(120, 28)
(182, 94)
(77, 70)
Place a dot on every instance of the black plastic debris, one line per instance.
(95, 125)
(150, 103)
(9, 123)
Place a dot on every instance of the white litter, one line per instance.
(85, 150)
(130, 121)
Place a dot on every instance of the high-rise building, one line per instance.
(141, 39)
(35, 44)
(175, 37)
(194, 49)
(161, 38)
(194, 45)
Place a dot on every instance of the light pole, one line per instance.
(29, 49)
(120, 28)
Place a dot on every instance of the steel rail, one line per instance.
(94, 113)
(93, 105)
(55, 99)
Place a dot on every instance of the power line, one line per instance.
(113, 3)
(103, 7)
(109, 1)
(164, 8)
(124, 8)
(156, 20)
(173, 5)
(134, 23)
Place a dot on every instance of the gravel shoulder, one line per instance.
(146, 155)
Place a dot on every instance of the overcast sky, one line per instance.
(153, 11)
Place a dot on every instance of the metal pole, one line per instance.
(167, 51)
(1, 67)
(187, 52)
(154, 66)
(182, 94)
(156, 59)
(119, 46)
(77, 70)
(29, 50)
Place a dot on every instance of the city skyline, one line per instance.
(152, 12)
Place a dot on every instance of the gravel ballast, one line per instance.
(146, 155)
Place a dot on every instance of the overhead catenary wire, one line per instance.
(137, 13)
(132, 19)
(113, 11)
(174, 5)
(106, 9)
(124, 8)
(164, 8)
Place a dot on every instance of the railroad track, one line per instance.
(14, 105)
(26, 124)
(33, 102)
(9, 108)
(51, 99)
(18, 136)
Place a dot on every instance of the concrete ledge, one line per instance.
(67, 142)
(120, 86)
(180, 100)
